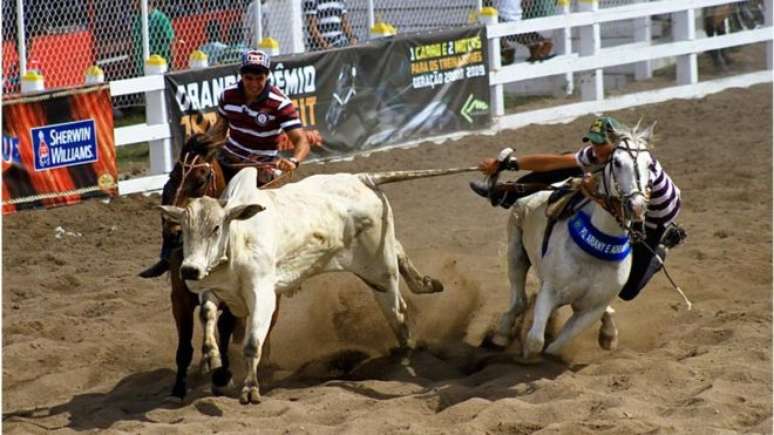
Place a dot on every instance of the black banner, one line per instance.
(359, 98)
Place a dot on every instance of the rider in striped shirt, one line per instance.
(661, 231)
(252, 117)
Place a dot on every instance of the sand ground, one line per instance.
(88, 346)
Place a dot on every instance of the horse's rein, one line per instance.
(187, 168)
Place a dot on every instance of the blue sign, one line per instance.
(11, 150)
(67, 144)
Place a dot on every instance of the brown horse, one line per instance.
(196, 173)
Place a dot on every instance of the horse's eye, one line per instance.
(216, 229)
(616, 163)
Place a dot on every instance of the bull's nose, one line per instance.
(190, 273)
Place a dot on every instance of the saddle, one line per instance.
(562, 204)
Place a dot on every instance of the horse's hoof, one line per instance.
(222, 390)
(527, 360)
(250, 395)
(608, 342)
(177, 400)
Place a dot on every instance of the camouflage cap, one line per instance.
(598, 131)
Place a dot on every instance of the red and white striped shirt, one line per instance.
(255, 128)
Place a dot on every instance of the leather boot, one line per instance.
(501, 197)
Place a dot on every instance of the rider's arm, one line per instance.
(547, 162)
(300, 144)
(217, 132)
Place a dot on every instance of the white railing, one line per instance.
(588, 61)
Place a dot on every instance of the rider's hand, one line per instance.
(286, 165)
(488, 166)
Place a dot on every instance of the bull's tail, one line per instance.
(417, 283)
(379, 178)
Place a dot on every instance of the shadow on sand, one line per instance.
(452, 372)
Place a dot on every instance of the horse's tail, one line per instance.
(379, 178)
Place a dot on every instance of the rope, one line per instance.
(669, 277)
(277, 179)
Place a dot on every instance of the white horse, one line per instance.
(587, 257)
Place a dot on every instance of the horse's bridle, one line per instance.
(187, 165)
(617, 203)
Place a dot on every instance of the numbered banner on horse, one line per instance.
(58, 148)
(364, 97)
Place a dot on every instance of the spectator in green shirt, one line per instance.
(161, 35)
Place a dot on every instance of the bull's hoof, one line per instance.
(250, 395)
(608, 342)
(433, 285)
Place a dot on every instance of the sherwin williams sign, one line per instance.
(58, 148)
(67, 144)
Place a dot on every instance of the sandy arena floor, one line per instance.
(88, 346)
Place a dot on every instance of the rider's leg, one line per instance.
(505, 198)
(169, 240)
(644, 263)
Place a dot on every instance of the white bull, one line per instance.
(253, 245)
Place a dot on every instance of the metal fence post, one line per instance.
(160, 150)
(371, 17)
(21, 39)
(769, 22)
(258, 25)
(564, 46)
(144, 30)
(643, 33)
(592, 85)
(684, 28)
(488, 16)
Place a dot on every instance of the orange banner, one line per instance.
(58, 148)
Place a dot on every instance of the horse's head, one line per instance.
(197, 172)
(627, 172)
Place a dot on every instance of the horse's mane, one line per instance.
(642, 138)
(198, 144)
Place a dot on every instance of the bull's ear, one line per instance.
(172, 213)
(243, 211)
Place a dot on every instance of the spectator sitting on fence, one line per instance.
(516, 10)
(161, 35)
(327, 24)
(214, 47)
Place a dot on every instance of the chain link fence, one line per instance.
(64, 37)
